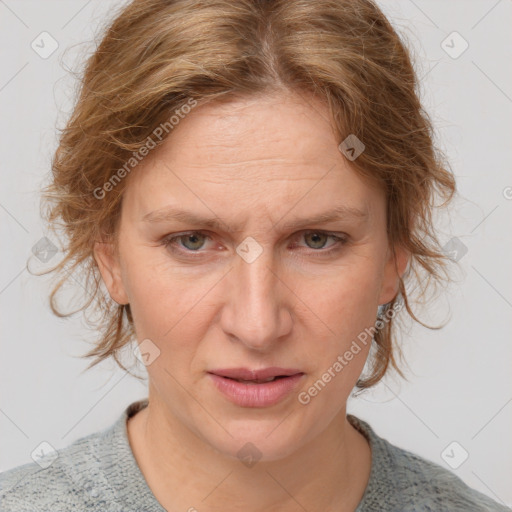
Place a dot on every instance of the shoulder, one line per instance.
(401, 480)
(429, 486)
(67, 479)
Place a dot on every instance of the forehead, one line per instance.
(252, 152)
(281, 127)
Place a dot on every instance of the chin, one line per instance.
(258, 440)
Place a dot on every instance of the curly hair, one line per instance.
(155, 55)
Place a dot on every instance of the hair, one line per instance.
(157, 55)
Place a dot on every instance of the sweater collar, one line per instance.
(131, 490)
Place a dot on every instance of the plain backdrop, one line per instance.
(459, 387)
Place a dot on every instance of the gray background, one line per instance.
(460, 384)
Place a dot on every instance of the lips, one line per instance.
(256, 376)
(256, 388)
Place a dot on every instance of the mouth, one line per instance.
(256, 376)
(256, 388)
(257, 381)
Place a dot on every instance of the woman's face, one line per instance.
(268, 286)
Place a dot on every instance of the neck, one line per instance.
(330, 472)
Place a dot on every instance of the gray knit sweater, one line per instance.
(99, 472)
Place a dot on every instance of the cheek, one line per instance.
(347, 307)
(347, 301)
(168, 307)
(158, 299)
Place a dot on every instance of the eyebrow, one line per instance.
(171, 213)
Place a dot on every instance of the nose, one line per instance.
(257, 305)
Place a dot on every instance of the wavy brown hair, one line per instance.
(157, 54)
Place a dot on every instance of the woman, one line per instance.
(252, 182)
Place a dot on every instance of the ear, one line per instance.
(108, 263)
(395, 267)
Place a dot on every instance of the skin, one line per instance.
(255, 163)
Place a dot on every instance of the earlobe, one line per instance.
(110, 270)
(396, 267)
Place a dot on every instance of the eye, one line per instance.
(192, 241)
(318, 240)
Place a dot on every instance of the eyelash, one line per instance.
(168, 242)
